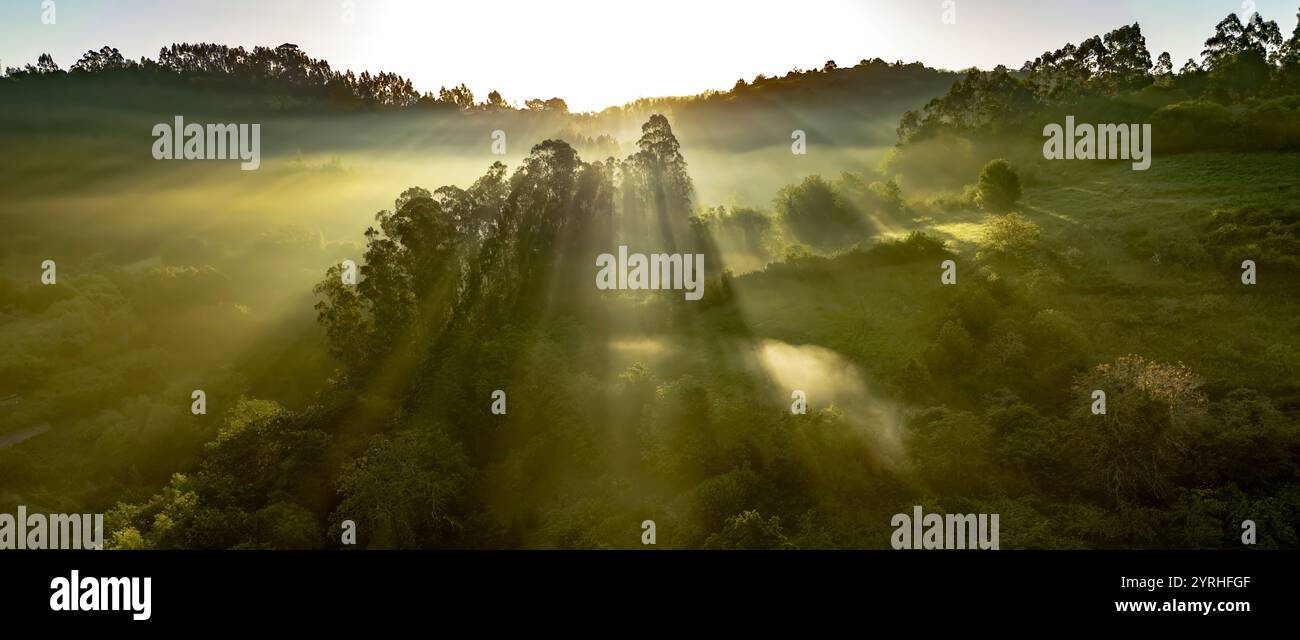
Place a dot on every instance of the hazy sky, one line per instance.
(596, 53)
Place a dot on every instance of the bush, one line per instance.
(1134, 449)
(1201, 125)
(739, 229)
(916, 246)
(999, 186)
(950, 202)
(1195, 125)
(1269, 237)
(1276, 123)
(872, 197)
(814, 211)
(1012, 234)
(749, 531)
(977, 308)
(952, 351)
(1163, 249)
(1056, 347)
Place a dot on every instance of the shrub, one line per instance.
(878, 197)
(999, 186)
(1133, 449)
(1011, 234)
(1195, 125)
(952, 351)
(977, 309)
(916, 246)
(748, 530)
(814, 211)
(1269, 237)
(1275, 123)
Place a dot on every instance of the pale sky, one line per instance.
(597, 53)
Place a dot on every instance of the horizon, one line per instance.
(386, 35)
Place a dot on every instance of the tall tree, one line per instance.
(1164, 70)
(660, 170)
(1127, 63)
(1228, 40)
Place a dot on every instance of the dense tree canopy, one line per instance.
(1240, 62)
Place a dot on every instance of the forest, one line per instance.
(376, 403)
